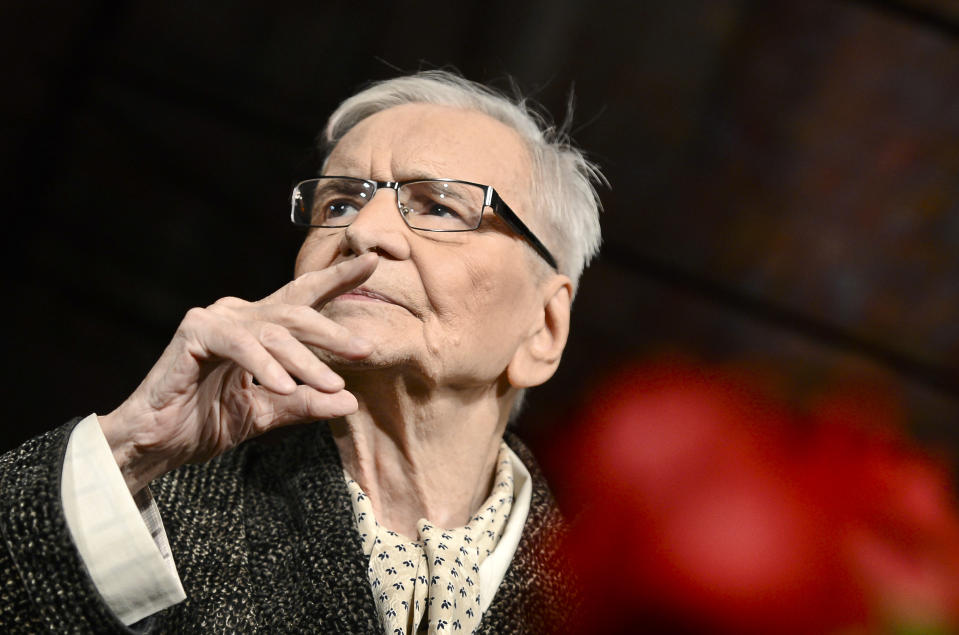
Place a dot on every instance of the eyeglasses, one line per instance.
(432, 205)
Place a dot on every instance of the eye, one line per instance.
(440, 206)
(338, 209)
(442, 211)
(335, 212)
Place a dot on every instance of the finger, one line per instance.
(303, 404)
(307, 325)
(297, 359)
(318, 286)
(212, 336)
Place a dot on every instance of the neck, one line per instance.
(427, 453)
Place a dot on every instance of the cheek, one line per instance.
(493, 299)
(500, 286)
(484, 303)
(317, 252)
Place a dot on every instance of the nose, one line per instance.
(379, 228)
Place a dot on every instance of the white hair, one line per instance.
(563, 190)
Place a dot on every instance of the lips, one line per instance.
(369, 295)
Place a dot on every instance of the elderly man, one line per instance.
(446, 235)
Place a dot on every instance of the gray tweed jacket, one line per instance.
(263, 539)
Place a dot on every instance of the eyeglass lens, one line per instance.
(427, 205)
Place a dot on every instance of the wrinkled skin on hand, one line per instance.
(200, 398)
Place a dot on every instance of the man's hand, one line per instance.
(200, 398)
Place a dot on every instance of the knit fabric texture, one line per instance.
(264, 540)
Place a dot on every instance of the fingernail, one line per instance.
(345, 403)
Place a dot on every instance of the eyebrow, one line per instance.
(340, 187)
(417, 175)
(453, 194)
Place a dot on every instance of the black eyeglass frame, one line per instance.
(491, 199)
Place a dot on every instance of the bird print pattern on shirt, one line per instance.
(431, 583)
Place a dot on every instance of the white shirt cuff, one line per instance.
(120, 538)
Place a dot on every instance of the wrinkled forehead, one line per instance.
(428, 141)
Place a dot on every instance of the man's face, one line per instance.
(450, 307)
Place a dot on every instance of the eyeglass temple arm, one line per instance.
(510, 218)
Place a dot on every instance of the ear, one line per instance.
(537, 357)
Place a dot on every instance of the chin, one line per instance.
(373, 321)
(382, 357)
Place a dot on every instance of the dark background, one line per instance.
(785, 179)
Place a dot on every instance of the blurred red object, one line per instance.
(708, 507)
